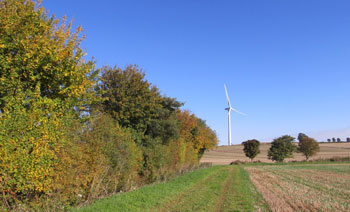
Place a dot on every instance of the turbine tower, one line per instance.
(229, 116)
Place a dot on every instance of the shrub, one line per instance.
(100, 159)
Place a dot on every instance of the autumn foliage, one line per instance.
(307, 146)
(70, 133)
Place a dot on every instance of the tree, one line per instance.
(128, 97)
(347, 139)
(281, 148)
(166, 125)
(204, 138)
(44, 83)
(333, 140)
(308, 146)
(196, 133)
(60, 144)
(338, 140)
(251, 148)
(328, 140)
(301, 136)
(40, 57)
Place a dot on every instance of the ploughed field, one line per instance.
(252, 187)
(224, 155)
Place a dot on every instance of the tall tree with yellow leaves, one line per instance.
(44, 82)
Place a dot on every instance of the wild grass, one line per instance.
(241, 194)
(219, 188)
(148, 197)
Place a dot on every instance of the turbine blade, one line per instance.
(228, 99)
(231, 108)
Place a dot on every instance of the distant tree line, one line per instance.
(283, 147)
(338, 140)
(70, 133)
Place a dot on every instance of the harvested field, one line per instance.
(316, 187)
(224, 155)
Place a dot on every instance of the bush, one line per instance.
(100, 159)
(237, 162)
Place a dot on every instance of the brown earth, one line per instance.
(223, 155)
(284, 188)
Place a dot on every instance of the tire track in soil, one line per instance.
(180, 200)
(227, 186)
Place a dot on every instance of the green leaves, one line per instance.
(44, 81)
(251, 148)
(134, 103)
(281, 148)
(38, 52)
(64, 134)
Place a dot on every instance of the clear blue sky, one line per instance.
(285, 63)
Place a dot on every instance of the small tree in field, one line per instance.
(328, 140)
(308, 146)
(281, 148)
(333, 140)
(338, 140)
(251, 148)
(347, 139)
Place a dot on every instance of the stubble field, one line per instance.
(224, 155)
(307, 187)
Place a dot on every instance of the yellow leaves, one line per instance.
(49, 54)
(30, 149)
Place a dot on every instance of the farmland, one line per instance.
(224, 155)
(298, 186)
(316, 187)
(254, 187)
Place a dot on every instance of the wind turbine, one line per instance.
(229, 116)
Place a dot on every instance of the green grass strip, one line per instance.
(152, 196)
(201, 198)
(219, 188)
(242, 194)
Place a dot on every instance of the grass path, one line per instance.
(217, 189)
